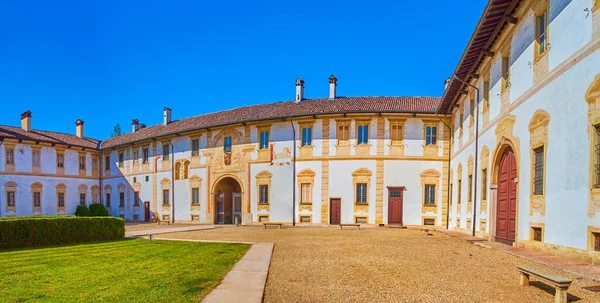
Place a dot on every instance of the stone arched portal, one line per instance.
(227, 201)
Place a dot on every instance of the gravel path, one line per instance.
(387, 265)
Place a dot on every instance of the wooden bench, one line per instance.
(349, 225)
(273, 224)
(559, 282)
(157, 220)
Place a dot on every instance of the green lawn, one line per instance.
(126, 271)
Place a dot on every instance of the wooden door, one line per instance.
(335, 210)
(395, 206)
(147, 211)
(506, 211)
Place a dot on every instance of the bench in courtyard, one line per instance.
(273, 224)
(350, 225)
(559, 282)
(157, 220)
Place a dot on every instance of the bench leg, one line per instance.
(561, 295)
(524, 280)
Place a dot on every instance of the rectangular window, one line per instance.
(195, 196)
(227, 144)
(165, 197)
(596, 241)
(305, 194)
(360, 220)
(541, 29)
(264, 139)
(61, 199)
(506, 71)
(82, 199)
(10, 156)
(60, 160)
(484, 184)
(36, 158)
(343, 134)
(107, 163)
(121, 159)
(145, 155)
(486, 92)
(428, 221)
(459, 200)
(396, 134)
(306, 136)
(429, 194)
(82, 162)
(136, 156)
(361, 193)
(10, 198)
(136, 198)
(305, 219)
(537, 234)
(121, 199)
(538, 167)
(165, 154)
(107, 199)
(195, 148)
(597, 157)
(431, 135)
(470, 188)
(363, 134)
(264, 194)
(37, 199)
(94, 163)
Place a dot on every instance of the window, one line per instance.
(470, 188)
(506, 71)
(36, 158)
(195, 148)
(484, 184)
(136, 217)
(165, 197)
(136, 199)
(82, 199)
(306, 136)
(121, 199)
(396, 194)
(107, 163)
(145, 155)
(363, 134)
(597, 157)
(428, 221)
(37, 199)
(82, 162)
(61, 200)
(121, 159)
(195, 196)
(305, 193)
(305, 219)
(165, 154)
(429, 194)
(10, 156)
(264, 139)
(486, 92)
(459, 192)
(343, 134)
(264, 194)
(107, 199)
(60, 160)
(10, 198)
(136, 156)
(195, 218)
(360, 220)
(431, 135)
(596, 241)
(537, 233)
(263, 218)
(227, 144)
(361, 193)
(538, 167)
(396, 134)
(541, 28)
(94, 164)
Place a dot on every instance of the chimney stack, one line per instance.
(332, 87)
(446, 82)
(142, 125)
(26, 121)
(299, 90)
(135, 125)
(166, 116)
(79, 128)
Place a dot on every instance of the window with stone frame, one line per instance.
(361, 193)
(107, 200)
(165, 197)
(165, 152)
(60, 160)
(121, 199)
(136, 156)
(470, 188)
(484, 184)
(431, 135)
(10, 155)
(36, 196)
(94, 164)
(195, 148)
(195, 196)
(396, 133)
(429, 193)
(82, 199)
(506, 71)
(541, 32)
(362, 133)
(306, 133)
(263, 194)
(60, 199)
(36, 158)
(10, 198)
(107, 163)
(145, 155)
(305, 193)
(538, 169)
(136, 199)
(264, 139)
(37, 199)
(121, 159)
(459, 193)
(343, 133)
(597, 156)
(82, 162)
(227, 144)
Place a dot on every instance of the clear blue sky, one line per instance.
(108, 62)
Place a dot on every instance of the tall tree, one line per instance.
(116, 130)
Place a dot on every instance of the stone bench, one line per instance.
(158, 220)
(273, 224)
(350, 225)
(559, 282)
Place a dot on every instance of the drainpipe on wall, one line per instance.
(448, 172)
(476, 160)
(172, 182)
(294, 175)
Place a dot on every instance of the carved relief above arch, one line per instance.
(504, 138)
(592, 97)
(538, 140)
(236, 137)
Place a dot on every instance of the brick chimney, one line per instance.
(26, 121)
(135, 125)
(299, 90)
(79, 128)
(142, 125)
(332, 86)
(166, 116)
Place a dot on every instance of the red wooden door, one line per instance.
(506, 213)
(147, 211)
(335, 209)
(395, 206)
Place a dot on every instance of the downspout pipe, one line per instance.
(293, 174)
(448, 172)
(172, 182)
(476, 111)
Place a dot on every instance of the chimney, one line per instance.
(446, 82)
(166, 116)
(299, 90)
(332, 86)
(142, 126)
(26, 121)
(135, 125)
(79, 128)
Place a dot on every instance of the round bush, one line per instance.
(98, 210)
(82, 211)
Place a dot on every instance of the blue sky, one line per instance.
(107, 62)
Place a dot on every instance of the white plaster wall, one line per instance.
(341, 186)
(413, 137)
(280, 192)
(570, 29)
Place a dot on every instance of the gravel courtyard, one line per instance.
(387, 265)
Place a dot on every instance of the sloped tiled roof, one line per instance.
(281, 110)
(11, 132)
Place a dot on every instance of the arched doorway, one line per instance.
(506, 205)
(228, 201)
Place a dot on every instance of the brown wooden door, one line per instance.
(147, 211)
(395, 206)
(506, 213)
(335, 209)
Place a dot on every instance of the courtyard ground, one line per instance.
(324, 264)
(122, 271)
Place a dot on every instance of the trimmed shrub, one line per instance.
(82, 211)
(98, 210)
(29, 232)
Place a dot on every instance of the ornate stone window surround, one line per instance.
(36, 164)
(61, 189)
(470, 170)
(430, 150)
(430, 177)
(459, 173)
(263, 178)
(195, 182)
(306, 151)
(121, 190)
(165, 184)
(60, 156)
(342, 140)
(137, 187)
(82, 189)
(108, 190)
(95, 194)
(9, 164)
(364, 148)
(397, 137)
(264, 153)
(10, 186)
(306, 176)
(361, 176)
(538, 137)
(484, 160)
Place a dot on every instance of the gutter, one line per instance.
(293, 174)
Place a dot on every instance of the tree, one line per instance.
(116, 131)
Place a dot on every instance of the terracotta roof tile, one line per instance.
(11, 132)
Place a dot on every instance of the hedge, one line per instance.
(40, 231)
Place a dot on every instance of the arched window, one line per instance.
(186, 169)
(177, 170)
